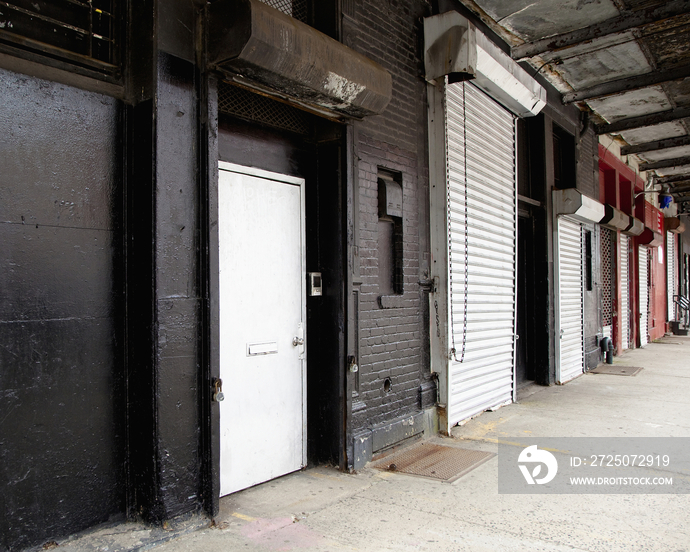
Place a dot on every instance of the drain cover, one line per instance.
(434, 461)
(615, 370)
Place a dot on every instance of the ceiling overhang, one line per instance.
(262, 48)
(625, 62)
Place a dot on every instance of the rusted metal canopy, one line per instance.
(263, 48)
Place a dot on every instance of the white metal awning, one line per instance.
(573, 203)
(454, 47)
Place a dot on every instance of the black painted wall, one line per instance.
(167, 387)
(61, 321)
(394, 379)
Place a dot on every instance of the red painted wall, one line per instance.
(657, 294)
(618, 183)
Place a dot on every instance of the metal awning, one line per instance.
(262, 48)
(571, 202)
(634, 228)
(674, 225)
(614, 219)
(454, 47)
(650, 238)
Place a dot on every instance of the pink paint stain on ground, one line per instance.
(281, 534)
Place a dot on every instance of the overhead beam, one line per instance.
(683, 190)
(626, 21)
(684, 187)
(666, 163)
(627, 84)
(673, 178)
(644, 120)
(657, 145)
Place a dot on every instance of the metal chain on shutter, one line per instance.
(453, 350)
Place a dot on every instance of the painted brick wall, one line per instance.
(394, 331)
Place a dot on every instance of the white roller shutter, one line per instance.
(570, 305)
(483, 377)
(644, 295)
(671, 272)
(624, 322)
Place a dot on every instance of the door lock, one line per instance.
(218, 390)
(296, 341)
(352, 364)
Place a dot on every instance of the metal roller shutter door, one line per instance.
(644, 296)
(570, 305)
(670, 274)
(483, 378)
(625, 302)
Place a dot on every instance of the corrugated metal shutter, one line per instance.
(625, 302)
(484, 378)
(644, 296)
(670, 274)
(570, 304)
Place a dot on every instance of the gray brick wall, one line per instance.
(393, 331)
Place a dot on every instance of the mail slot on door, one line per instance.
(266, 348)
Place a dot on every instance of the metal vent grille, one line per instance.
(294, 8)
(239, 102)
(80, 31)
(606, 276)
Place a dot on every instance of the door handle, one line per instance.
(296, 341)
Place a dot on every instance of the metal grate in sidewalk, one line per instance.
(434, 461)
(616, 370)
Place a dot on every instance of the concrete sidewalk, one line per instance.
(322, 509)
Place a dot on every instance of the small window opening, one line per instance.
(390, 233)
(588, 260)
(563, 158)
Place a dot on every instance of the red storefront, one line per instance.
(618, 185)
(651, 269)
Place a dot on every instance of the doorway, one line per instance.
(526, 313)
(262, 303)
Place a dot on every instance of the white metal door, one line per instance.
(262, 313)
(670, 275)
(482, 235)
(624, 322)
(644, 295)
(570, 305)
